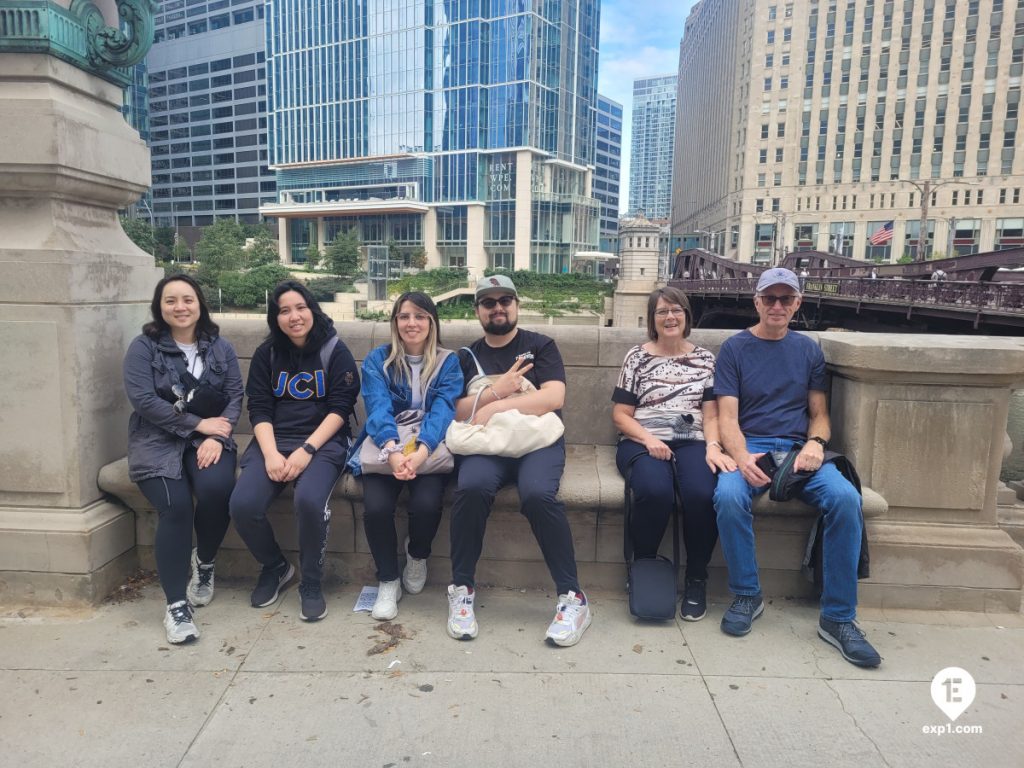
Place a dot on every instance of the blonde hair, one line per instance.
(396, 358)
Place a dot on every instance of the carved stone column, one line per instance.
(73, 291)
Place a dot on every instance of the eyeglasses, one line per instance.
(490, 303)
(179, 392)
(769, 300)
(405, 318)
(675, 312)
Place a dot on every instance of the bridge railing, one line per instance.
(981, 297)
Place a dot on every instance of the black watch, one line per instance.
(821, 440)
(312, 451)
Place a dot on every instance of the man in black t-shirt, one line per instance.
(514, 354)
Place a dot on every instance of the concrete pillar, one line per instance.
(284, 249)
(74, 291)
(321, 234)
(430, 239)
(476, 255)
(524, 212)
(924, 420)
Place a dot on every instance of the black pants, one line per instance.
(653, 497)
(380, 494)
(172, 500)
(537, 476)
(255, 490)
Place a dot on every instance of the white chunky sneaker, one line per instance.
(200, 587)
(414, 577)
(572, 617)
(385, 607)
(461, 619)
(178, 623)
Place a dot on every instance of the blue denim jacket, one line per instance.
(384, 397)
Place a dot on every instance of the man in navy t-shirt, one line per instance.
(770, 385)
(514, 355)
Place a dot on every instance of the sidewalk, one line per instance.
(103, 688)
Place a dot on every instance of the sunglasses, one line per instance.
(769, 300)
(489, 303)
(183, 396)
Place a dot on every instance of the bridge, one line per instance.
(978, 293)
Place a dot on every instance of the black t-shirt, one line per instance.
(547, 362)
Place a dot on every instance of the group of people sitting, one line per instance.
(687, 422)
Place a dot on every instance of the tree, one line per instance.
(343, 254)
(220, 249)
(418, 259)
(181, 252)
(313, 257)
(262, 250)
(165, 242)
(140, 233)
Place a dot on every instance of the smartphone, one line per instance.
(766, 463)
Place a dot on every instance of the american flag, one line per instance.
(883, 235)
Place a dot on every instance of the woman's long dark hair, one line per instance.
(158, 326)
(323, 326)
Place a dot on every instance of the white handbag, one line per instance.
(507, 433)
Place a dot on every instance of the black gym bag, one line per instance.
(651, 581)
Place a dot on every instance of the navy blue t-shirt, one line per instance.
(772, 380)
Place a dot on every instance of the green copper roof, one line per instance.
(80, 35)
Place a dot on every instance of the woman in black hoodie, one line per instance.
(302, 388)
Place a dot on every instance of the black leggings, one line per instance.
(653, 497)
(172, 500)
(380, 494)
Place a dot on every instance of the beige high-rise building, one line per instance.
(814, 124)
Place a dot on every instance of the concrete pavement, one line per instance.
(101, 687)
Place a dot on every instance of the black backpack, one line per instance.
(652, 582)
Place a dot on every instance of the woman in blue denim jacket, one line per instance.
(413, 372)
(173, 454)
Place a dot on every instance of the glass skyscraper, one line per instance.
(654, 124)
(461, 127)
(607, 170)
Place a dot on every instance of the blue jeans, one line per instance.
(828, 491)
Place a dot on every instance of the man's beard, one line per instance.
(502, 329)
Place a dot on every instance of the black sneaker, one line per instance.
(695, 600)
(850, 640)
(268, 587)
(311, 598)
(741, 615)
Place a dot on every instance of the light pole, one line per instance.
(927, 188)
(152, 227)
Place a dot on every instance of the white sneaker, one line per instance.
(461, 619)
(178, 623)
(200, 587)
(385, 607)
(414, 577)
(572, 617)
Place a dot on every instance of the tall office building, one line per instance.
(650, 160)
(461, 128)
(608, 170)
(208, 113)
(813, 124)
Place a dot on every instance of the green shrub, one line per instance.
(431, 282)
(324, 288)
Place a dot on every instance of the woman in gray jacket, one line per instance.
(185, 387)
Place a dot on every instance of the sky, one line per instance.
(637, 40)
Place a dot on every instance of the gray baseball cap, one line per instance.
(777, 276)
(495, 284)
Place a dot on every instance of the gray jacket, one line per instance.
(157, 436)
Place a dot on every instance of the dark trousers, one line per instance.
(380, 495)
(537, 476)
(172, 500)
(653, 497)
(254, 492)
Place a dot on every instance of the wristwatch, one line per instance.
(312, 451)
(821, 440)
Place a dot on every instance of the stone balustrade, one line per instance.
(923, 418)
